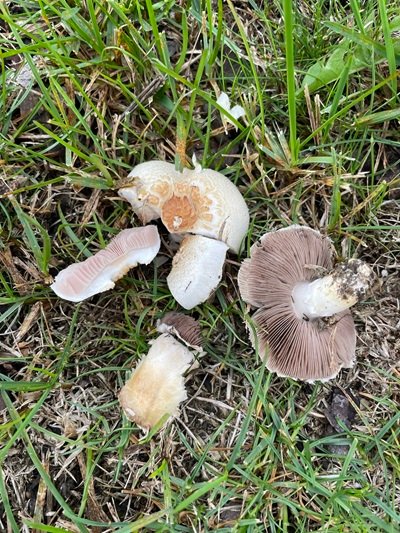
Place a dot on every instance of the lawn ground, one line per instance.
(88, 90)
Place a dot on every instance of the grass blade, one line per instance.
(288, 8)
(390, 52)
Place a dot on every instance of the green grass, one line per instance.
(106, 86)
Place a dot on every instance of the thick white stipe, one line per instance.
(333, 293)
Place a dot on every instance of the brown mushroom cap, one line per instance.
(294, 346)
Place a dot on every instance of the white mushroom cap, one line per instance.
(200, 201)
(196, 270)
(157, 386)
(99, 272)
(149, 184)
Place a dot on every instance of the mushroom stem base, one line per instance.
(333, 293)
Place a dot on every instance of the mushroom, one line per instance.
(200, 201)
(183, 327)
(157, 386)
(196, 270)
(99, 272)
(207, 203)
(303, 327)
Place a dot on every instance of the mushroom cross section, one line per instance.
(157, 386)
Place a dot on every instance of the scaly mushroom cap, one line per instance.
(99, 272)
(196, 270)
(157, 386)
(184, 327)
(292, 345)
(200, 201)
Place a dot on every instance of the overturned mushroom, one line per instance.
(99, 272)
(157, 386)
(303, 327)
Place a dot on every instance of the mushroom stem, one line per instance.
(196, 270)
(333, 293)
(157, 386)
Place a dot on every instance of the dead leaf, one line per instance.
(28, 321)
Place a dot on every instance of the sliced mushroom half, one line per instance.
(157, 385)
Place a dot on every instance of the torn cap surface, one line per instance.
(148, 185)
(199, 201)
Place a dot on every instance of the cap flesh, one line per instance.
(206, 202)
(149, 185)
